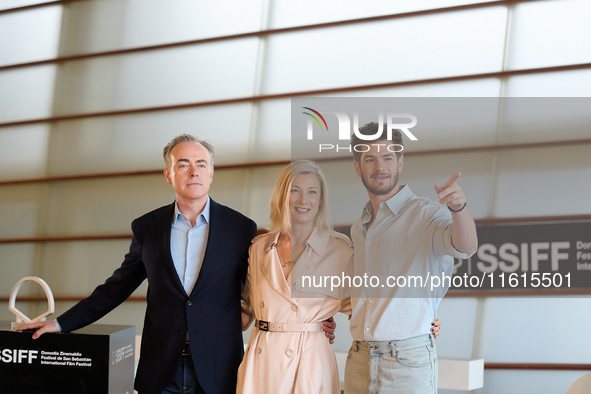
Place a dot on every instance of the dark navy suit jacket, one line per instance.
(211, 314)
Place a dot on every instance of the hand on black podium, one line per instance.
(40, 328)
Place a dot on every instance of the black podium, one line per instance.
(98, 359)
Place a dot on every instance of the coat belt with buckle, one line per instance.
(287, 327)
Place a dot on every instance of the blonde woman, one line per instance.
(287, 352)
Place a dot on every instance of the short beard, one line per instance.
(380, 191)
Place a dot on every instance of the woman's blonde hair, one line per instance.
(280, 209)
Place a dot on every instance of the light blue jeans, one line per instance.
(408, 366)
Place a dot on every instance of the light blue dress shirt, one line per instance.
(187, 245)
(408, 232)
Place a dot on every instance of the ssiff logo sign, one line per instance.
(345, 129)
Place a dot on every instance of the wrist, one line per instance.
(458, 210)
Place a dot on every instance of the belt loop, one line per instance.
(392, 348)
(432, 341)
(356, 343)
(187, 349)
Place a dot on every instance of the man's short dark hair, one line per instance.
(372, 129)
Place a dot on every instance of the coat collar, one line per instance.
(271, 241)
(271, 267)
(318, 242)
(316, 247)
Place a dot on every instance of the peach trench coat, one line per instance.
(300, 362)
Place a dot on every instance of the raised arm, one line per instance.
(463, 235)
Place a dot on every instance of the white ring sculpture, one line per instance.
(21, 317)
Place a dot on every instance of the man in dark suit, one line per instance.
(194, 254)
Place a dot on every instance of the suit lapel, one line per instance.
(215, 240)
(160, 229)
